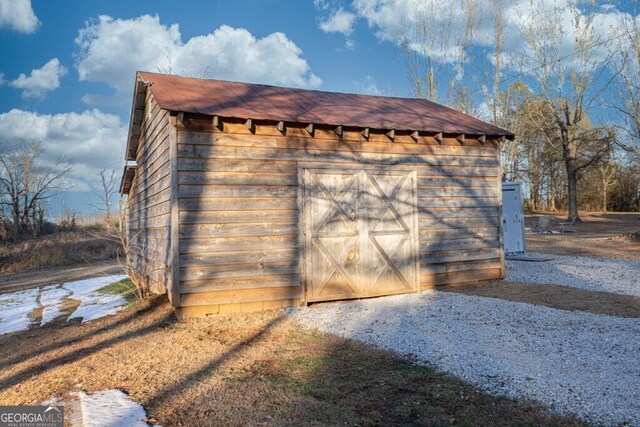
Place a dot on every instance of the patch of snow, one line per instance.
(94, 304)
(110, 408)
(82, 288)
(595, 274)
(54, 401)
(15, 309)
(97, 305)
(51, 298)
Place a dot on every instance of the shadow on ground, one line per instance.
(260, 368)
(561, 297)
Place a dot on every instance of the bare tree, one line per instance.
(628, 101)
(625, 195)
(108, 183)
(496, 101)
(608, 171)
(570, 82)
(132, 259)
(436, 51)
(420, 43)
(535, 150)
(25, 181)
(506, 109)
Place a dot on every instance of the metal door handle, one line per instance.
(352, 215)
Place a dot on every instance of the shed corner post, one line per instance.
(175, 214)
(503, 269)
(302, 237)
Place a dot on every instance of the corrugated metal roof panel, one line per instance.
(261, 102)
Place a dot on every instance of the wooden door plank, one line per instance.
(398, 251)
(372, 244)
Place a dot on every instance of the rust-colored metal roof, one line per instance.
(261, 102)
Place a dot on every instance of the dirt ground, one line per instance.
(561, 297)
(264, 369)
(85, 246)
(251, 369)
(608, 235)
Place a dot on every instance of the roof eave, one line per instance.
(127, 179)
(137, 113)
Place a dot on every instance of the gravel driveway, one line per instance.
(578, 362)
(594, 274)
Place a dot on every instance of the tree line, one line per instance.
(574, 109)
(28, 180)
(26, 183)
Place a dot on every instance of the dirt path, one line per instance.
(33, 279)
(607, 235)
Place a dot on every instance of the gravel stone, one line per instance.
(573, 362)
(594, 274)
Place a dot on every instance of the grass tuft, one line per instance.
(366, 386)
(124, 287)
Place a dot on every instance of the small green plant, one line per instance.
(124, 287)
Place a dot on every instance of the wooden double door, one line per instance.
(361, 233)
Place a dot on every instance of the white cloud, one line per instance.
(340, 21)
(111, 50)
(321, 4)
(235, 54)
(368, 86)
(18, 15)
(41, 80)
(552, 23)
(483, 112)
(390, 18)
(396, 20)
(90, 140)
(426, 25)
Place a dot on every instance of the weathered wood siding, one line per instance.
(149, 208)
(238, 208)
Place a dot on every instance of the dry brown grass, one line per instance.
(555, 296)
(264, 369)
(55, 250)
(248, 369)
(610, 235)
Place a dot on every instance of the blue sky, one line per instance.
(366, 65)
(67, 67)
(340, 68)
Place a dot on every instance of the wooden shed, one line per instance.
(246, 197)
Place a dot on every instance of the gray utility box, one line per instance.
(512, 218)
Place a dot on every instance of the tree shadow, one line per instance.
(91, 342)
